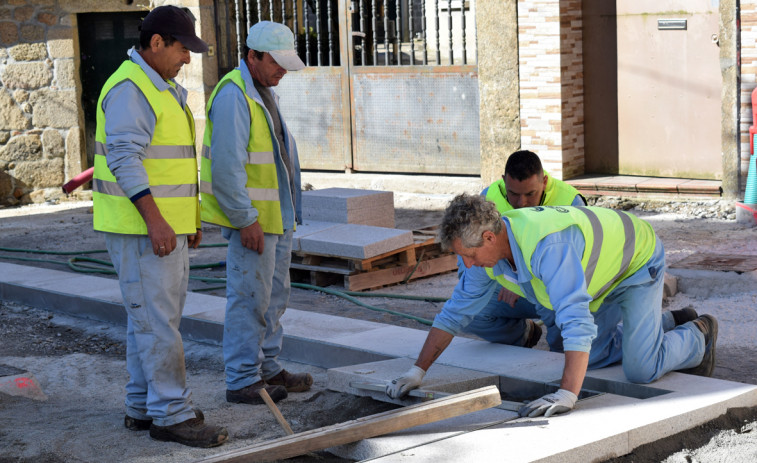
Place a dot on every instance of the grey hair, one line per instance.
(467, 217)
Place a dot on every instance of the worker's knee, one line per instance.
(640, 374)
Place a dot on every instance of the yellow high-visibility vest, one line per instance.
(617, 245)
(262, 183)
(170, 163)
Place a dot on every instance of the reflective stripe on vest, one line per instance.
(262, 181)
(556, 193)
(617, 244)
(169, 162)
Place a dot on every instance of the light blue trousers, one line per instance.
(649, 346)
(501, 323)
(154, 290)
(641, 342)
(257, 293)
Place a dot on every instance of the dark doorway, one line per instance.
(104, 39)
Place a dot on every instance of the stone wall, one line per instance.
(41, 121)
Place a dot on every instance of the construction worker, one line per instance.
(145, 200)
(250, 184)
(508, 318)
(594, 268)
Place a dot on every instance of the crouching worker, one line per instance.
(594, 268)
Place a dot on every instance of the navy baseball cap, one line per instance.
(176, 22)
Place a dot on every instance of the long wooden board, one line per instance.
(363, 428)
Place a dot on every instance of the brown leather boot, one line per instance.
(293, 382)
(135, 424)
(532, 334)
(708, 325)
(193, 432)
(251, 394)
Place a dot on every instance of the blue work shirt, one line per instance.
(557, 262)
(231, 133)
(130, 124)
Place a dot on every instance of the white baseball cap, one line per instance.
(278, 41)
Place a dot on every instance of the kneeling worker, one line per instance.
(593, 267)
(507, 318)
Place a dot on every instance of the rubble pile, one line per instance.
(701, 209)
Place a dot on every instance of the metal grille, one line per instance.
(413, 32)
(384, 32)
(316, 24)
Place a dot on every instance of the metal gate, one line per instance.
(391, 85)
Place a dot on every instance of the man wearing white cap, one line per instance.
(250, 186)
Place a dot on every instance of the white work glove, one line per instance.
(558, 402)
(399, 387)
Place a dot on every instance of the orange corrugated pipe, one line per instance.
(78, 181)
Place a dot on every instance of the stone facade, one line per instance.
(41, 120)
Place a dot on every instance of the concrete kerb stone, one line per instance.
(441, 378)
(355, 241)
(350, 205)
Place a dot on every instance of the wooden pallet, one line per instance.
(421, 259)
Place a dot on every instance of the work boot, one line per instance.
(135, 424)
(532, 334)
(251, 394)
(684, 315)
(708, 325)
(192, 432)
(293, 382)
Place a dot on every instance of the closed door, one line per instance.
(669, 88)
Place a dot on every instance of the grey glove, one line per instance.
(399, 387)
(558, 402)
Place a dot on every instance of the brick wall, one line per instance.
(551, 83)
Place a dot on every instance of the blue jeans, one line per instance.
(154, 290)
(257, 293)
(504, 324)
(646, 350)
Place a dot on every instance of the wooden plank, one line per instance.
(427, 394)
(363, 428)
(388, 276)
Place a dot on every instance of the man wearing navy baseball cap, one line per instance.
(250, 186)
(146, 204)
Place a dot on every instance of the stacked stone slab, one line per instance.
(349, 205)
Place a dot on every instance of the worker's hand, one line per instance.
(161, 235)
(252, 237)
(399, 387)
(558, 402)
(194, 240)
(508, 297)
